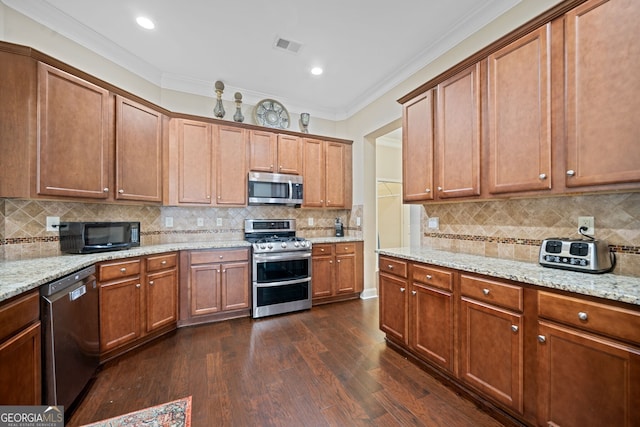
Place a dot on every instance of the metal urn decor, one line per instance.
(238, 117)
(218, 110)
(304, 121)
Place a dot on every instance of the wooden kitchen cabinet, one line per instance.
(230, 158)
(215, 285)
(417, 148)
(491, 339)
(20, 355)
(392, 287)
(193, 174)
(138, 301)
(327, 172)
(275, 153)
(337, 271)
(588, 363)
(602, 93)
(73, 130)
(519, 115)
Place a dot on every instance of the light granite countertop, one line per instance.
(609, 286)
(17, 277)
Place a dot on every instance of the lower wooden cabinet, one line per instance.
(138, 301)
(215, 285)
(20, 357)
(392, 284)
(337, 271)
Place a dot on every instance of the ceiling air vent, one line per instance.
(287, 45)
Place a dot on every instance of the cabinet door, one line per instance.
(334, 172)
(345, 273)
(119, 313)
(417, 148)
(431, 324)
(235, 286)
(393, 307)
(205, 289)
(263, 151)
(491, 352)
(73, 136)
(584, 380)
(162, 299)
(231, 171)
(195, 162)
(322, 273)
(314, 185)
(138, 152)
(603, 58)
(458, 135)
(289, 154)
(20, 368)
(519, 115)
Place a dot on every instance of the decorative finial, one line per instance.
(238, 117)
(218, 110)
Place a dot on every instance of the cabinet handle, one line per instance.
(137, 285)
(402, 289)
(439, 188)
(224, 270)
(427, 190)
(414, 292)
(486, 291)
(542, 176)
(221, 256)
(571, 172)
(321, 249)
(390, 267)
(583, 316)
(330, 261)
(208, 197)
(542, 339)
(429, 277)
(164, 262)
(105, 190)
(338, 260)
(121, 191)
(150, 282)
(514, 328)
(123, 270)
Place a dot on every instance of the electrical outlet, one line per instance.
(310, 222)
(219, 222)
(358, 221)
(52, 223)
(200, 222)
(168, 221)
(434, 222)
(589, 222)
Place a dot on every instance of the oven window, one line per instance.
(280, 294)
(280, 271)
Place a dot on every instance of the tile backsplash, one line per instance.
(514, 229)
(23, 234)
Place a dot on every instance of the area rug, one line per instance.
(170, 414)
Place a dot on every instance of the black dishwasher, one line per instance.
(70, 337)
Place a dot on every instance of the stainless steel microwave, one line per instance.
(91, 237)
(275, 189)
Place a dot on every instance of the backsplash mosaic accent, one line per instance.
(514, 229)
(23, 234)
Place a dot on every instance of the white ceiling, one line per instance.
(366, 47)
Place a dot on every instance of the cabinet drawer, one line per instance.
(393, 266)
(18, 313)
(160, 262)
(616, 322)
(118, 269)
(322, 249)
(345, 248)
(432, 276)
(497, 293)
(208, 257)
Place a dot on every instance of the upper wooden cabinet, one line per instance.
(73, 136)
(195, 162)
(230, 145)
(519, 116)
(138, 152)
(603, 93)
(417, 148)
(327, 172)
(270, 152)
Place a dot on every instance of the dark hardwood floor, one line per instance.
(328, 366)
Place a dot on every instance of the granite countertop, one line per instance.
(17, 277)
(609, 286)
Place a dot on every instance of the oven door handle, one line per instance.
(280, 257)
(282, 283)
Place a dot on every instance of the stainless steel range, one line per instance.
(281, 278)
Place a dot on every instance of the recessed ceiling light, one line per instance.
(316, 71)
(145, 23)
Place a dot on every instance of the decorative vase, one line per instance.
(304, 121)
(238, 117)
(218, 110)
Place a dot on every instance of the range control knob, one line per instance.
(269, 246)
(284, 245)
(296, 244)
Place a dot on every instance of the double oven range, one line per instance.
(281, 267)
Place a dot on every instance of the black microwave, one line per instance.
(275, 189)
(91, 237)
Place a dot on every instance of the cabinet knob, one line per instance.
(542, 339)
(542, 176)
(221, 256)
(105, 190)
(338, 260)
(486, 291)
(414, 292)
(390, 267)
(514, 328)
(439, 188)
(429, 277)
(571, 172)
(150, 282)
(121, 191)
(137, 285)
(583, 316)
(427, 190)
(224, 270)
(163, 262)
(402, 289)
(321, 249)
(123, 270)
(208, 197)
(330, 261)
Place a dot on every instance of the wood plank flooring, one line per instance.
(328, 366)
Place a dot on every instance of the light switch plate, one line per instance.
(219, 222)
(310, 222)
(168, 221)
(200, 222)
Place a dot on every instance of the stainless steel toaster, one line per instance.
(591, 256)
